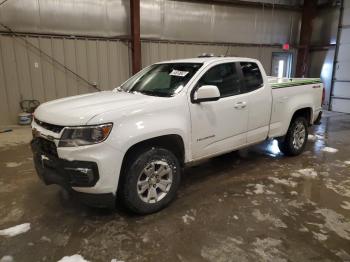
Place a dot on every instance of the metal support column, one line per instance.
(309, 12)
(135, 35)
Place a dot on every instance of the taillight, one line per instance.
(323, 95)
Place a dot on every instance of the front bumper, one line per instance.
(69, 174)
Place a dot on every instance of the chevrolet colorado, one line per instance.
(131, 143)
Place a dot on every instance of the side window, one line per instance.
(225, 77)
(252, 78)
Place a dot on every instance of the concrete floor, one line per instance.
(252, 205)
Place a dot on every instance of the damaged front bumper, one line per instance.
(68, 174)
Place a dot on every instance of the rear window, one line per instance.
(252, 78)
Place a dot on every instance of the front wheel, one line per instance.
(295, 140)
(150, 181)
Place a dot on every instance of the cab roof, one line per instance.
(208, 60)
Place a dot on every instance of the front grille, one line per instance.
(51, 127)
(46, 146)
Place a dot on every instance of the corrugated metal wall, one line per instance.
(79, 35)
(188, 21)
(104, 18)
(25, 73)
(157, 51)
(161, 19)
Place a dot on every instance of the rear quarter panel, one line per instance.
(287, 100)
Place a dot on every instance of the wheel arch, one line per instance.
(172, 142)
(305, 112)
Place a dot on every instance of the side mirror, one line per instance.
(206, 94)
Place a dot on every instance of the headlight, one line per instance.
(84, 135)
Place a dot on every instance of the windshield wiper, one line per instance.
(153, 93)
(119, 89)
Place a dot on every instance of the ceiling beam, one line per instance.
(246, 4)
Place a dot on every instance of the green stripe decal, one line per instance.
(296, 83)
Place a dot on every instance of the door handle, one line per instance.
(240, 105)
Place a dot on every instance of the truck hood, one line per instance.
(78, 110)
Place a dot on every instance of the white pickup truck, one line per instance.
(133, 142)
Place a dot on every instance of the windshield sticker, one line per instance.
(178, 73)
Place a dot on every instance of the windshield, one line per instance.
(161, 79)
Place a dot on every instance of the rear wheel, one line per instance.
(295, 141)
(150, 180)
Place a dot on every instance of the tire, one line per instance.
(295, 140)
(150, 170)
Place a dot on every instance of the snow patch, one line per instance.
(320, 137)
(224, 250)
(324, 173)
(329, 149)
(45, 239)
(261, 189)
(308, 172)
(13, 164)
(73, 258)
(295, 204)
(345, 205)
(7, 259)
(283, 181)
(303, 229)
(294, 193)
(16, 230)
(255, 202)
(347, 162)
(267, 249)
(187, 219)
(311, 138)
(342, 188)
(269, 218)
(247, 192)
(343, 255)
(335, 222)
(319, 236)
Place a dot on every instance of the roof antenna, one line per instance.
(206, 55)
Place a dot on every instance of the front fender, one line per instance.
(132, 128)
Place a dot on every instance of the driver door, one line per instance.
(219, 126)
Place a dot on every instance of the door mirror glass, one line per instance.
(206, 93)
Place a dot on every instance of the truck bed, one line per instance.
(290, 94)
(276, 82)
